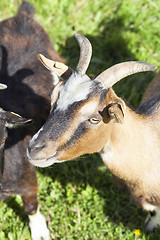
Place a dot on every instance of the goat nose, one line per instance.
(35, 147)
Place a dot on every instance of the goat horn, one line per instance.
(60, 68)
(53, 66)
(85, 53)
(3, 86)
(115, 73)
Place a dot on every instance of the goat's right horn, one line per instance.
(115, 73)
(85, 54)
(3, 86)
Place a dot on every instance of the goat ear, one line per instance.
(116, 110)
(13, 120)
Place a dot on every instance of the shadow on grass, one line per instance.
(18, 209)
(117, 207)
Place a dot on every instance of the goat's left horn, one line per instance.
(85, 54)
(60, 68)
(115, 73)
(3, 86)
(53, 66)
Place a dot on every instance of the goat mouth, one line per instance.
(46, 162)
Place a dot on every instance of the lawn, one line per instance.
(80, 198)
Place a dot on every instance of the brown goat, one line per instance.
(27, 93)
(87, 116)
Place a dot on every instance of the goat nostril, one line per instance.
(34, 150)
(36, 146)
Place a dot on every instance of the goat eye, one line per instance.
(94, 120)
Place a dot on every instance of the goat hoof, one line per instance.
(38, 227)
(152, 222)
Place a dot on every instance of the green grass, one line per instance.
(79, 198)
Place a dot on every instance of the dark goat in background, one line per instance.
(28, 88)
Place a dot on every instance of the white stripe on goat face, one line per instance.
(77, 88)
